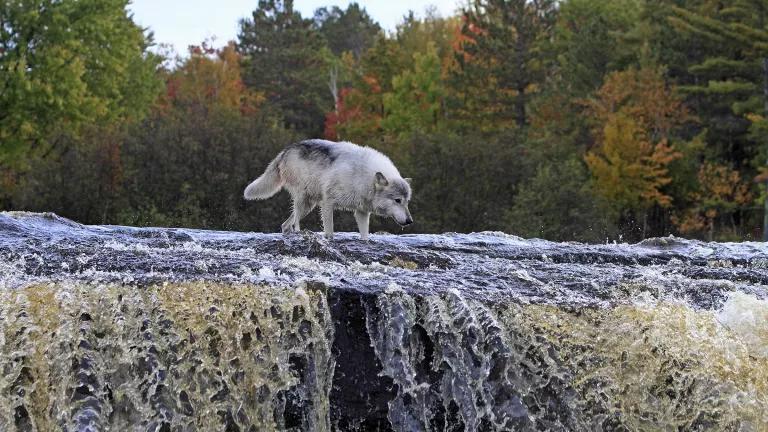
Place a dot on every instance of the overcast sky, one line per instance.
(185, 22)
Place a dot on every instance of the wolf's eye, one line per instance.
(398, 200)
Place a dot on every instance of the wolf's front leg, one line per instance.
(326, 213)
(362, 219)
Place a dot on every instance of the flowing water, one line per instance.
(118, 328)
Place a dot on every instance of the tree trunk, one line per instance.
(333, 87)
(520, 117)
(765, 113)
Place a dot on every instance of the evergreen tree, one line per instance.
(557, 203)
(351, 30)
(503, 42)
(284, 57)
(588, 42)
(730, 86)
(728, 82)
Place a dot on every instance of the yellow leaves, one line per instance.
(634, 113)
(657, 173)
(755, 118)
(628, 169)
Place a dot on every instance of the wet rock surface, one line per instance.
(120, 328)
(483, 265)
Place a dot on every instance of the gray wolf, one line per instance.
(337, 176)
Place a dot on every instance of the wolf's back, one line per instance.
(267, 184)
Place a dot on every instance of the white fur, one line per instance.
(337, 176)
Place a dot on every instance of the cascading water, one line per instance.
(460, 364)
(187, 356)
(118, 328)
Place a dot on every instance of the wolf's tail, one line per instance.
(267, 185)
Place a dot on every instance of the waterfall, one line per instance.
(123, 329)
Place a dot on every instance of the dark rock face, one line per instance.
(108, 327)
(359, 395)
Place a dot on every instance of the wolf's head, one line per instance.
(390, 198)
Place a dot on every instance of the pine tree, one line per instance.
(589, 42)
(735, 79)
(351, 30)
(285, 58)
(502, 47)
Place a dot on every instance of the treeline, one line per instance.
(574, 120)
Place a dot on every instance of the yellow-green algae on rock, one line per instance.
(199, 356)
(194, 356)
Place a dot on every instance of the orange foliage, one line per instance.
(642, 95)
(342, 114)
(465, 34)
(211, 78)
(373, 84)
(721, 191)
(357, 116)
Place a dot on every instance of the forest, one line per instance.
(583, 120)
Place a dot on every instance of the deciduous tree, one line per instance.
(634, 116)
(416, 102)
(720, 196)
(68, 63)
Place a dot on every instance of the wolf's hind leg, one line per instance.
(362, 219)
(302, 205)
(326, 213)
(301, 208)
(287, 226)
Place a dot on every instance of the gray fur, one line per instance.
(316, 150)
(336, 176)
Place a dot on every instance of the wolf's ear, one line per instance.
(408, 180)
(381, 181)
